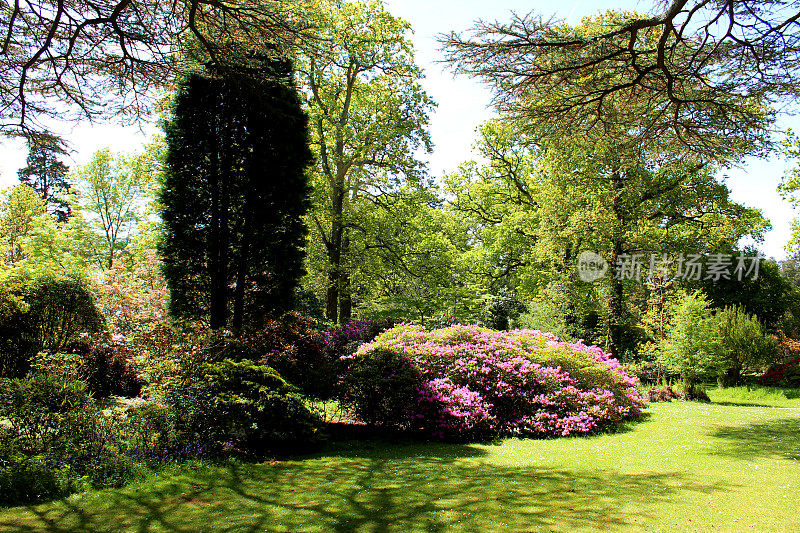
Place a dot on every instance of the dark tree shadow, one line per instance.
(777, 438)
(748, 404)
(401, 487)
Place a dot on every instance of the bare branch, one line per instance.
(88, 58)
(704, 77)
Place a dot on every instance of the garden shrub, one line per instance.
(59, 311)
(14, 349)
(108, 365)
(502, 310)
(742, 344)
(160, 347)
(104, 364)
(380, 387)
(241, 405)
(54, 440)
(690, 346)
(472, 382)
(697, 394)
(705, 345)
(294, 347)
(663, 394)
(783, 375)
(42, 315)
(131, 295)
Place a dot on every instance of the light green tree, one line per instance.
(116, 194)
(20, 208)
(368, 118)
(689, 347)
(533, 209)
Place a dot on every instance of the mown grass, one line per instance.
(686, 467)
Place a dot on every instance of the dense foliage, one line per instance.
(43, 315)
(233, 195)
(54, 440)
(239, 405)
(704, 344)
(466, 381)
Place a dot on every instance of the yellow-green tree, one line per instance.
(368, 117)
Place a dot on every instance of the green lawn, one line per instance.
(688, 467)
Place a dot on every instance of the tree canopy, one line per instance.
(369, 117)
(87, 58)
(702, 76)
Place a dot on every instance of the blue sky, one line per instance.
(463, 105)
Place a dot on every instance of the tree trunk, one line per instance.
(731, 377)
(241, 275)
(616, 306)
(345, 301)
(218, 245)
(616, 301)
(335, 255)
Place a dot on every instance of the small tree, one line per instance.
(689, 346)
(114, 192)
(742, 344)
(47, 175)
(17, 217)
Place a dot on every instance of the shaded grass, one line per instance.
(689, 467)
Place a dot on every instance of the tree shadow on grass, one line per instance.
(408, 488)
(747, 404)
(776, 438)
(351, 440)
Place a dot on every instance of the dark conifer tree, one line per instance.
(47, 174)
(234, 195)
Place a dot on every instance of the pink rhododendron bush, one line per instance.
(466, 383)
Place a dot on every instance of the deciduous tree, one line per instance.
(89, 58)
(703, 75)
(368, 115)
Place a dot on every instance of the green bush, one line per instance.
(24, 480)
(60, 310)
(742, 344)
(14, 349)
(705, 345)
(43, 315)
(294, 347)
(53, 440)
(49, 415)
(379, 385)
(240, 405)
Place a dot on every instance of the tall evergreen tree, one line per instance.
(234, 193)
(47, 174)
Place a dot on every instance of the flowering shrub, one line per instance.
(131, 296)
(783, 375)
(473, 382)
(296, 349)
(105, 362)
